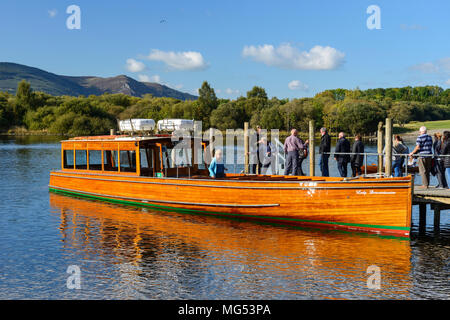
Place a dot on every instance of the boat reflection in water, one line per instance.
(140, 253)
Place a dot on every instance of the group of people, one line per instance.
(343, 154)
(432, 157)
(296, 151)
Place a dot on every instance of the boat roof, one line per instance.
(120, 138)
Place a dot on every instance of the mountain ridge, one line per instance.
(12, 73)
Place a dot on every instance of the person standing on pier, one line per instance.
(292, 146)
(398, 149)
(446, 152)
(265, 153)
(324, 149)
(302, 155)
(424, 146)
(342, 146)
(357, 159)
(439, 161)
(256, 160)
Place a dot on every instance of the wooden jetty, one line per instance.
(438, 199)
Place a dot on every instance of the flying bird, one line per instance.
(162, 21)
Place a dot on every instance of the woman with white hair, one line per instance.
(216, 167)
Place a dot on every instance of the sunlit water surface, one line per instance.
(134, 253)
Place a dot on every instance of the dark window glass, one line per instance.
(143, 158)
(95, 160)
(81, 159)
(68, 159)
(127, 161)
(110, 160)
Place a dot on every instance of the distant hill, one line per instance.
(11, 74)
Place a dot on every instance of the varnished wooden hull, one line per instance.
(380, 206)
(374, 169)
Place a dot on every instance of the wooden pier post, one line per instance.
(312, 156)
(380, 147)
(211, 143)
(246, 148)
(437, 217)
(422, 217)
(112, 132)
(388, 164)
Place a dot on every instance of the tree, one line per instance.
(271, 118)
(401, 112)
(24, 97)
(6, 114)
(360, 116)
(24, 93)
(257, 92)
(207, 101)
(227, 116)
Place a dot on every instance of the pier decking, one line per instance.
(438, 199)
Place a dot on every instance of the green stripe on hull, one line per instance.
(168, 208)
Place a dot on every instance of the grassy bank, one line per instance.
(413, 127)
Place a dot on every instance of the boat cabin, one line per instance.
(149, 156)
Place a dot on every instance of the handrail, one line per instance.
(417, 155)
(279, 155)
(365, 154)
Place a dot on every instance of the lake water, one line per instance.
(134, 253)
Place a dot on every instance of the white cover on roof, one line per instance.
(137, 125)
(175, 124)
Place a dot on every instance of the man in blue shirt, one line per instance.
(424, 146)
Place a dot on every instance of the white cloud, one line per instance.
(288, 57)
(447, 82)
(135, 66)
(52, 13)
(298, 85)
(187, 60)
(146, 78)
(438, 66)
(143, 78)
(231, 91)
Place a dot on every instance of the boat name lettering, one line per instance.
(374, 192)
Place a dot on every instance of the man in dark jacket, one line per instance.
(325, 147)
(342, 146)
(356, 160)
(446, 151)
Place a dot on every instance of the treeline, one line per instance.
(352, 111)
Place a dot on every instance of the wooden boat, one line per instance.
(373, 168)
(139, 171)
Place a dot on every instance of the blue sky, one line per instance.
(291, 48)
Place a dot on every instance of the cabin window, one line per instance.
(95, 160)
(180, 156)
(147, 161)
(81, 159)
(168, 158)
(146, 158)
(127, 161)
(111, 160)
(68, 159)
